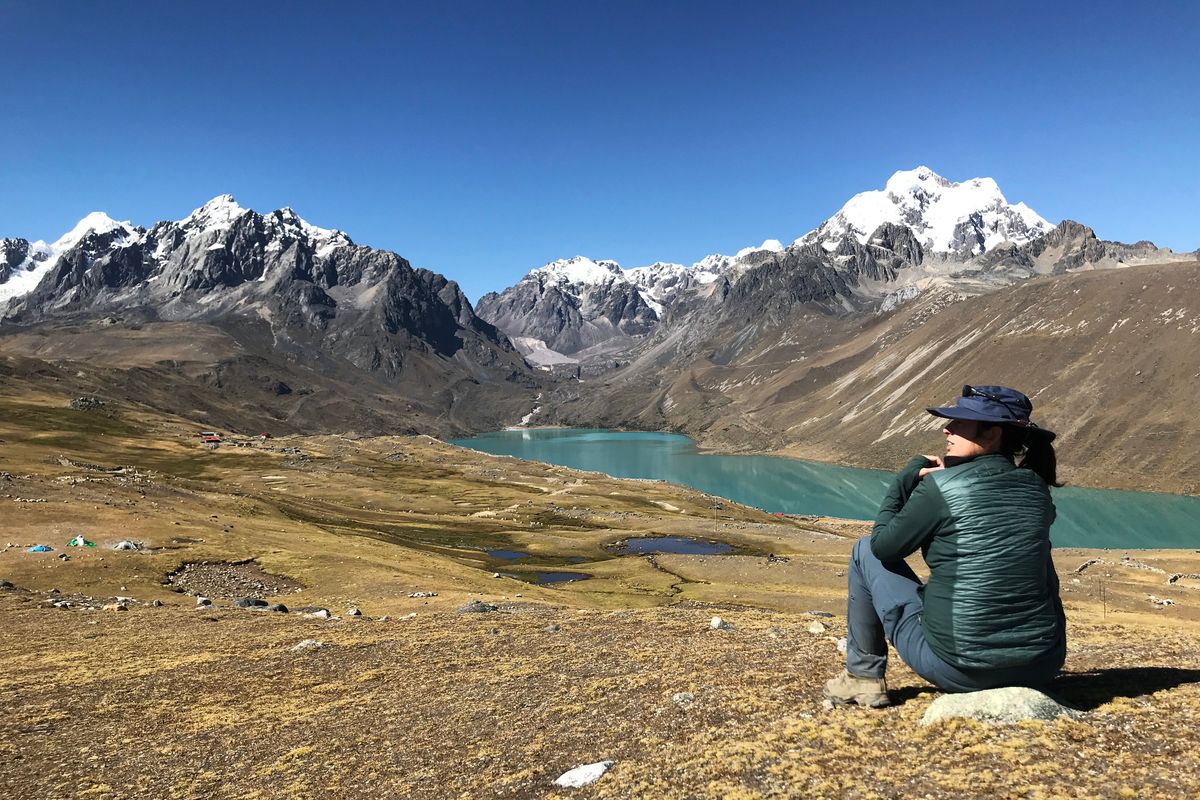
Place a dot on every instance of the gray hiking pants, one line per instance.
(885, 606)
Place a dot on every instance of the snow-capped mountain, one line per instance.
(570, 305)
(307, 294)
(967, 218)
(23, 263)
(883, 248)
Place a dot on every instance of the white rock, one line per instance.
(410, 616)
(322, 614)
(582, 776)
(1003, 706)
(816, 627)
(718, 624)
(307, 644)
(683, 699)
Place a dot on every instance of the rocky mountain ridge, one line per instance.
(291, 294)
(883, 248)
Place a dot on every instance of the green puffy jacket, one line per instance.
(983, 527)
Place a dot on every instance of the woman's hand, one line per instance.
(937, 464)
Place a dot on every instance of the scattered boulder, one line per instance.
(816, 627)
(278, 608)
(478, 607)
(249, 602)
(998, 706)
(353, 611)
(203, 601)
(553, 627)
(321, 613)
(115, 607)
(86, 403)
(825, 614)
(422, 594)
(412, 615)
(156, 603)
(307, 644)
(718, 624)
(6, 585)
(582, 776)
(126, 544)
(683, 699)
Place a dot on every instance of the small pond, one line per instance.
(507, 555)
(682, 545)
(557, 577)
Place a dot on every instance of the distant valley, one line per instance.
(828, 348)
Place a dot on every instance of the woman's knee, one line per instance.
(862, 550)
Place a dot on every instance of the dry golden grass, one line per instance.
(172, 702)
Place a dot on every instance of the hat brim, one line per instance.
(957, 412)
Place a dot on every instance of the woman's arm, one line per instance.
(910, 514)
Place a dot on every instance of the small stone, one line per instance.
(384, 618)
(115, 607)
(683, 699)
(842, 644)
(63, 557)
(478, 607)
(817, 627)
(497, 575)
(307, 644)
(825, 614)
(582, 776)
(412, 615)
(718, 624)
(320, 613)
(278, 608)
(156, 603)
(999, 706)
(353, 611)
(553, 627)
(827, 704)
(6, 585)
(494, 631)
(203, 601)
(422, 594)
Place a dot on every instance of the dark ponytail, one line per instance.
(1035, 451)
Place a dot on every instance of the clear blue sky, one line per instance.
(483, 139)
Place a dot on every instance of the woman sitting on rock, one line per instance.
(990, 614)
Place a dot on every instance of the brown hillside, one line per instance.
(173, 702)
(1109, 357)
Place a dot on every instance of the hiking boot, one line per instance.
(847, 688)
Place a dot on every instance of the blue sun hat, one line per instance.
(998, 405)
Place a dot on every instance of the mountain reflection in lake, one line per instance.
(1086, 517)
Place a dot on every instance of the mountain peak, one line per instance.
(581, 270)
(969, 217)
(95, 222)
(221, 211)
(904, 180)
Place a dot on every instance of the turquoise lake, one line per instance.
(1086, 517)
